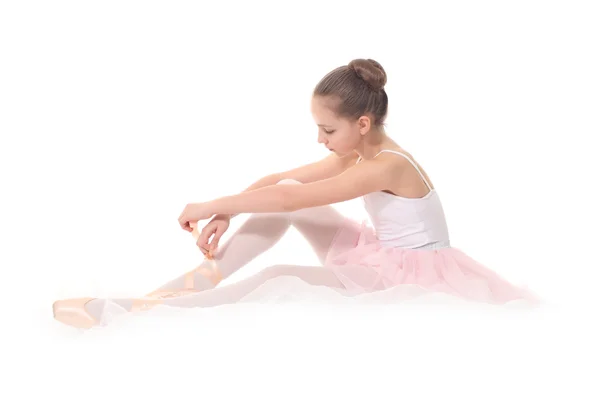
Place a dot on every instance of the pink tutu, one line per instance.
(368, 266)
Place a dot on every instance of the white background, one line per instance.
(116, 114)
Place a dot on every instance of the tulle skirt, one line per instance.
(370, 267)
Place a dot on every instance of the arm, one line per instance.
(365, 177)
(381, 173)
(327, 167)
(265, 181)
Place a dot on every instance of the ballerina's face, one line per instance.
(339, 135)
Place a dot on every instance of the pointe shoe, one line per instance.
(72, 312)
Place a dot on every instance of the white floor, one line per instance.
(316, 349)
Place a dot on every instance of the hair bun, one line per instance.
(370, 71)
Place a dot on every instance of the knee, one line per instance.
(273, 271)
(289, 182)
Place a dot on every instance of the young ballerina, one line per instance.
(408, 244)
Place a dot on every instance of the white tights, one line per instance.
(259, 233)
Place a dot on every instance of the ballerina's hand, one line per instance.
(192, 213)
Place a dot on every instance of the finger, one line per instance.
(203, 239)
(202, 245)
(205, 235)
(214, 244)
(209, 244)
(185, 226)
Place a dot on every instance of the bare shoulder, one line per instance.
(390, 164)
(401, 175)
(402, 160)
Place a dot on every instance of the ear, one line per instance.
(364, 125)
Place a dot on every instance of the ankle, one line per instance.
(209, 273)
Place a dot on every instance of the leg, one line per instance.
(233, 293)
(259, 233)
(86, 312)
(319, 226)
(316, 276)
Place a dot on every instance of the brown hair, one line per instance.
(357, 89)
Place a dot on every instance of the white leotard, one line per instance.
(408, 222)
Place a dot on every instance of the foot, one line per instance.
(86, 312)
(73, 312)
